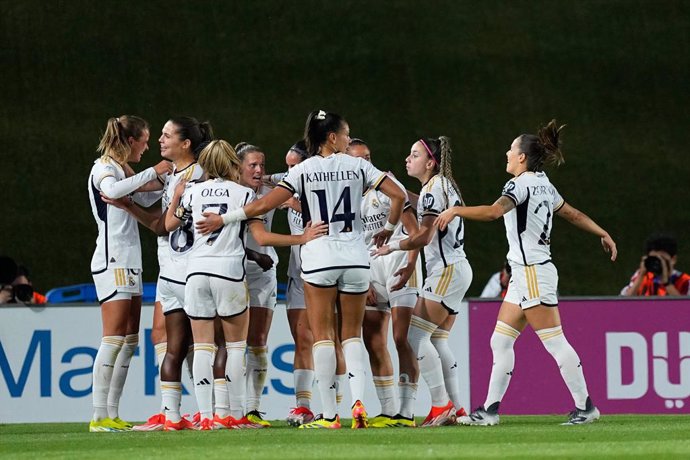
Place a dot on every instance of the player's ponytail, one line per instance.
(441, 154)
(219, 160)
(115, 141)
(319, 125)
(544, 148)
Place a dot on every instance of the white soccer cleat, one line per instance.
(589, 414)
(481, 416)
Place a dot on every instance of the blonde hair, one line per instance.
(440, 152)
(219, 160)
(114, 142)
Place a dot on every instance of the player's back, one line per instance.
(220, 252)
(528, 226)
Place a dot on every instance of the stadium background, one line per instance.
(480, 72)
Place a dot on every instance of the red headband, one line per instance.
(429, 150)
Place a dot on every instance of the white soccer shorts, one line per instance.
(117, 284)
(207, 295)
(448, 285)
(382, 279)
(532, 285)
(263, 288)
(294, 298)
(171, 295)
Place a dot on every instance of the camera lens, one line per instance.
(23, 292)
(653, 265)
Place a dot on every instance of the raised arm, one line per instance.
(584, 222)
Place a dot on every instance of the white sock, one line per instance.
(502, 341)
(257, 365)
(161, 349)
(449, 365)
(171, 394)
(221, 400)
(120, 374)
(324, 372)
(568, 361)
(235, 375)
(203, 378)
(385, 390)
(103, 367)
(354, 352)
(408, 395)
(340, 382)
(419, 336)
(304, 380)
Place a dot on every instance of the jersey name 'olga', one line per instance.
(215, 192)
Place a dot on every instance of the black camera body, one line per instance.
(22, 293)
(653, 265)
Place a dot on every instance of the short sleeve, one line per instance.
(515, 190)
(292, 179)
(102, 170)
(373, 177)
(558, 200)
(433, 200)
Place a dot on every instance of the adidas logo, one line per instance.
(227, 379)
(332, 387)
(428, 289)
(203, 382)
(454, 366)
(166, 408)
(350, 375)
(112, 260)
(524, 299)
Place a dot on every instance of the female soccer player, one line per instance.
(448, 276)
(116, 263)
(527, 205)
(335, 268)
(392, 294)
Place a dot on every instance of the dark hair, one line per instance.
(440, 152)
(8, 270)
(357, 141)
(300, 148)
(114, 141)
(319, 124)
(198, 133)
(662, 242)
(544, 148)
(243, 148)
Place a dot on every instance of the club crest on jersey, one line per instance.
(375, 203)
(428, 201)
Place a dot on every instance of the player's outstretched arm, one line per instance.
(584, 222)
(484, 213)
(266, 238)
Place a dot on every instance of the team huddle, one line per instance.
(355, 268)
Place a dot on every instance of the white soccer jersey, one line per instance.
(173, 249)
(376, 206)
(447, 246)
(219, 253)
(330, 190)
(296, 228)
(528, 226)
(117, 245)
(267, 220)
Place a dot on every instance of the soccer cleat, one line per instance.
(440, 416)
(320, 422)
(206, 424)
(224, 423)
(481, 416)
(154, 423)
(400, 421)
(244, 422)
(581, 416)
(382, 421)
(359, 415)
(299, 416)
(183, 424)
(460, 413)
(256, 418)
(125, 426)
(105, 425)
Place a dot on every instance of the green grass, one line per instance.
(516, 437)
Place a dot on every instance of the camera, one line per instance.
(653, 265)
(23, 293)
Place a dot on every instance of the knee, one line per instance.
(401, 341)
(503, 338)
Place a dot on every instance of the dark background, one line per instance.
(480, 72)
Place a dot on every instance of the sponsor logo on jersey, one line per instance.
(509, 187)
(428, 201)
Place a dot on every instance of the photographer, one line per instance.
(15, 285)
(657, 274)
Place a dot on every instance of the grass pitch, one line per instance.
(515, 437)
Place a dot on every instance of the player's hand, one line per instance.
(163, 167)
(264, 261)
(404, 273)
(120, 203)
(444, 218)
(311, 232)
(610, 247)
(382, 237)
(382, 251)
(210, 223)
(5, 294)
(371, 297)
